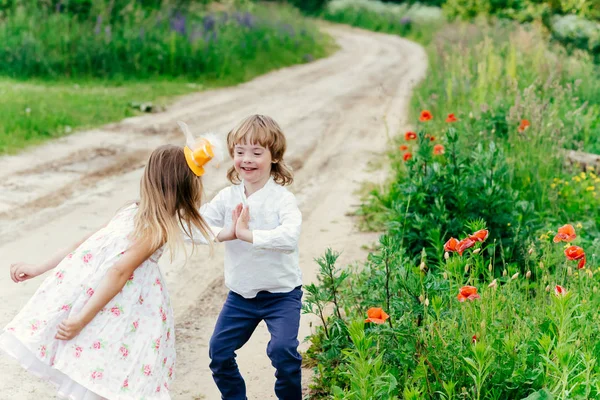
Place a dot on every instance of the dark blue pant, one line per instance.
(237, 321)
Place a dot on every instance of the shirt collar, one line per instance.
(259, 192)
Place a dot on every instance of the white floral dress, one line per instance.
(126, 352)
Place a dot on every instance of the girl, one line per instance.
(261, 258)
(101, 326)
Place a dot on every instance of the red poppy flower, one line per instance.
(438, 149)
(464, 244)
(524, 125)
(480, 235)
(431, 138)
(467, 293)
(559, 290)
(574, 253)
(376, 315)
(425, 116)
(451, 244)
(403, 147)
(407, 156)
(566, 233)
(410, 135)
(451, 118)
(474, 339)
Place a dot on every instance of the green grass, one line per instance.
(89, 73)
(33, 112)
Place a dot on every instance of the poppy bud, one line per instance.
(421, 298)
(427, 302)
(515, 276)
(528, 274)
(446, 255)
(548, 288)
(466, 268)
(493, 284)
(504, 273)
(445, 275)
(541, 265)
(490, 267)
(422, 266)
(476, 251)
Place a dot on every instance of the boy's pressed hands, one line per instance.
(229, 233)
(242, 229)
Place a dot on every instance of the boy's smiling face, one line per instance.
(252, 162)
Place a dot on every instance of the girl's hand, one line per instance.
(69, 328)
(229, 233)
(242, 228)
(20, 272)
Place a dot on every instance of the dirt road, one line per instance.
(333, 112)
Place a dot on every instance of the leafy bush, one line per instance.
(577, 32)
(463, 332)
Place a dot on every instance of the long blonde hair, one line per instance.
(170, 196)
(262, 130)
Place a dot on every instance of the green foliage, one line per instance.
(416, 21)
(142, 44)
(519, 338)
(436, 195)
(518, 102)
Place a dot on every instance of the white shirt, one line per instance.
(271, 263)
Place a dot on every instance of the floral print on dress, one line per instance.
(97, 374)
(35, 325)
(156, 344)
(116, 310)
(124, 350)
(98, 344)
(125, 386)
(87, 257)
(147, 370)
(163, 316)
(125, 338)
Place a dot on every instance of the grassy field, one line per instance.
(33, 112)
(94, 71)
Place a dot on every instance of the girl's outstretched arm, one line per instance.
(20, 272)
(109, 287)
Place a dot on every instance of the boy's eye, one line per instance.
(257, 154)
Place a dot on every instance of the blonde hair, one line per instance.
(262, 130)
(170, 196)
